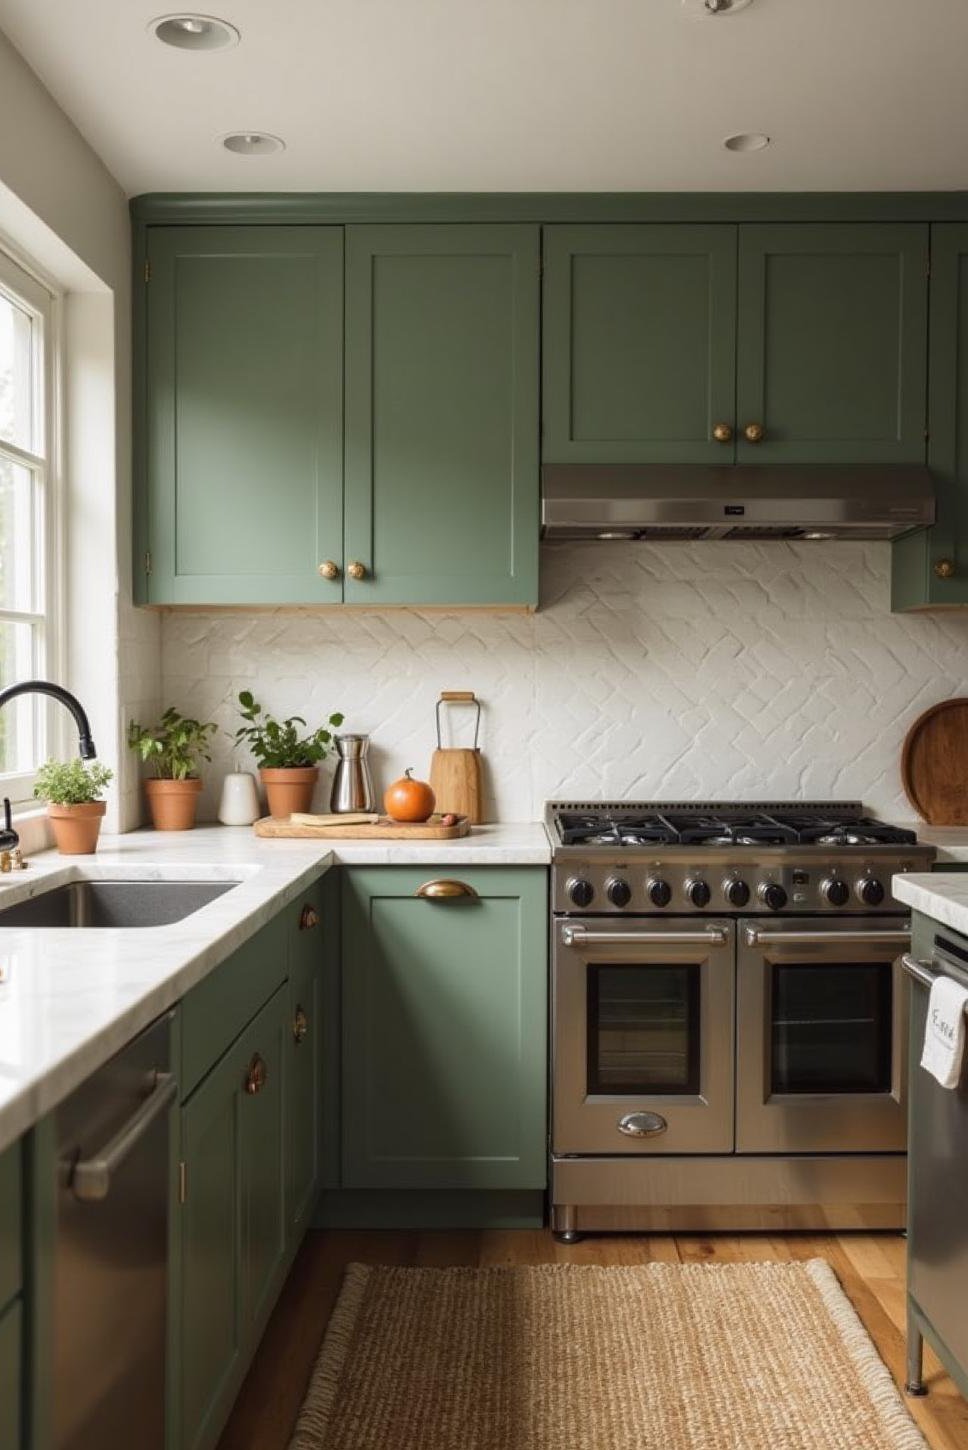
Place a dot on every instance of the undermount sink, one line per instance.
(114, 903)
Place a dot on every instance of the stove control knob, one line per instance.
(870, 891)
(659, 892)
(737, 893)
(618, 892)
(772, 894)
(581, 892)
(835, 891)
(698, 893)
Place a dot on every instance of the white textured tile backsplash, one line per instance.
(652, 671)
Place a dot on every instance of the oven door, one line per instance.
(820, 1039)
(643, 1036)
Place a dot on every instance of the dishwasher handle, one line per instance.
(91, 1177)
(920, 971)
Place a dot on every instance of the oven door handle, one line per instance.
(757, 937)
(575, 936)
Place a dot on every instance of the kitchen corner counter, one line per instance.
(943, 897)
(951, 841)
(72, 997)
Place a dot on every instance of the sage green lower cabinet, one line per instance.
(444, 1030)
(930, 568)
(441, 470)
(831, 345)
(233, 1237)
(11, 1370)
(304, 1054)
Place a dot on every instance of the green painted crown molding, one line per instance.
(316, 208)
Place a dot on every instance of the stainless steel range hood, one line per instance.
(684, 501)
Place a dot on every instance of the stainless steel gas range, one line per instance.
(729, 1024)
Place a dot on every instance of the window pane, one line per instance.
(832, 1028)
(643, 1029)
(21, 722)
(18, 537)
(16, 375)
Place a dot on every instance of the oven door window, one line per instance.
(831, 1027)
(643, 1030)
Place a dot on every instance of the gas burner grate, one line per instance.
(722, 824)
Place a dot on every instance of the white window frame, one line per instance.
(30, 290)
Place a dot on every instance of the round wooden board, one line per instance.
(934, 764)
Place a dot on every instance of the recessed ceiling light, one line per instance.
(747, 141)
(194, 32)
(253, 143)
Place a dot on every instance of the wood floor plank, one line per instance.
(869, 1266)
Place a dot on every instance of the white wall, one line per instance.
(61, 209)
(677, 670)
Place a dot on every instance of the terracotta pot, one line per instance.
(290, 789)
(173, 803)
(76, 828)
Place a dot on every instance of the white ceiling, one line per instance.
(495, 95)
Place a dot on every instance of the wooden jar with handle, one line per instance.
(455, 774)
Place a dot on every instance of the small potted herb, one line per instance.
(174, 748)
(288, 761)
(73, 791)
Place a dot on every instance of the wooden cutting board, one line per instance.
(934, 764)
(384, 830)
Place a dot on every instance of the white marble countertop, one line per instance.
(940, 895)
(70, 998)
(951, 841)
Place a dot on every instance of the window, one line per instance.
(27, 518)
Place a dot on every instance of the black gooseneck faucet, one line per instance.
(9, 839)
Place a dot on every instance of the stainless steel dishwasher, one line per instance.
(110, 1261)
(937, 1277)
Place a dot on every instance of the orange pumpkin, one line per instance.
(408, 799)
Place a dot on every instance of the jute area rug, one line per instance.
(647, 1357)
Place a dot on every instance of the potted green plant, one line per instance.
(288, 761)
(174, 749)
(73, 791)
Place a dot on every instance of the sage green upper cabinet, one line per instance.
(931, 566)
(639, 343)
(444, 1030)
(832, 343)
(243, 414)
(441, 462)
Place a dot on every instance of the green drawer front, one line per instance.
(11, 1274)
(10, 1388)
(217, 1010)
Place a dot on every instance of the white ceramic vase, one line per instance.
(239, 801)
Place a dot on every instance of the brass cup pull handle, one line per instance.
(754, 432)
(328, 569)
(642, 1125)
(300, 1026)
(445, 891)
(256, 1075)
(356, 570)
(723, 433)
(308, 918)
(945, 568)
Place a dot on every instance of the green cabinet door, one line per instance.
(242, 415)
(441, 465)
(931, 567)
(639, 343)
(444, 1030)
(304, 1055)
(11, 1387)
(232, 1226)
(832, 343)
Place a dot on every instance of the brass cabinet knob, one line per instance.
(444, 890)
(945, 568)
(754, 432)
(308, 918)
(255, 1077)
(300, 1026)
(356, 570)
(723, 433)
(328, 569)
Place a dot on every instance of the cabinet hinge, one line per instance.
(182, 1181)
(147, 561)
(147, 270)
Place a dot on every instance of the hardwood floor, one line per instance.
(869, 1266)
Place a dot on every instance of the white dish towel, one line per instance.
(944, 1032)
